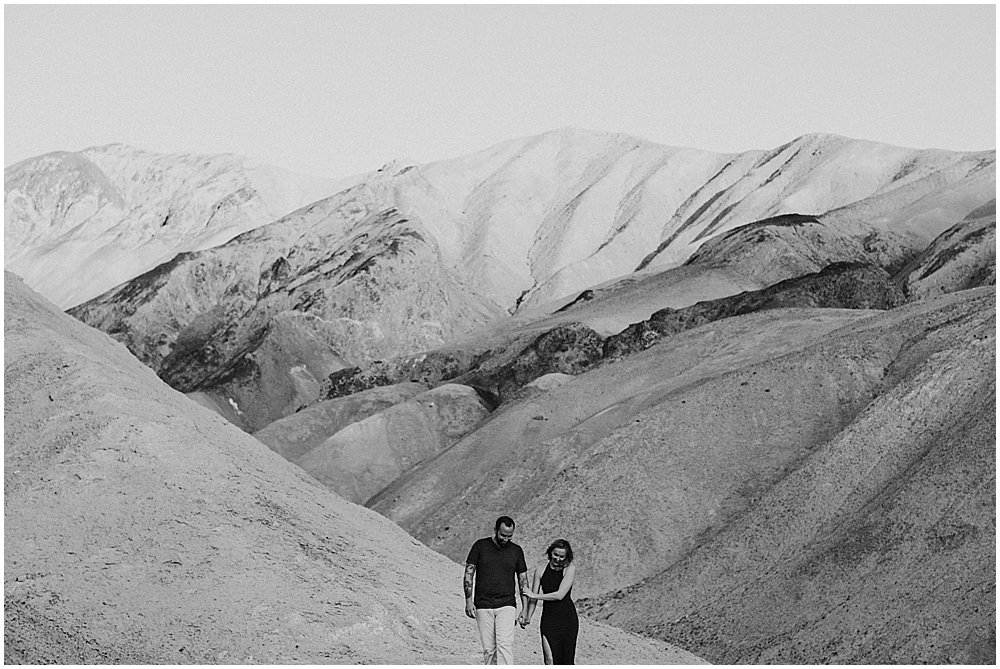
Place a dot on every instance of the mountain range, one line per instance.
(755, 390)
(416, 256)
(80, 223)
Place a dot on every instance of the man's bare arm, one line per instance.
(470, 572)
(522, 585)
(467, 585)
(527, 613)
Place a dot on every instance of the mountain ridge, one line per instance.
(79, 223)
(424, 254)
(454, 196)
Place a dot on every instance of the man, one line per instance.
(493, 563)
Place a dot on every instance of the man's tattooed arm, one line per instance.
(470, 572)
(467, 585)
(522, 582)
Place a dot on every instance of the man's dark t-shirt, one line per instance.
(495, 570)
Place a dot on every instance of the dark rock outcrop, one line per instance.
(495, 371)
(838, 286)
(567, 349)
(354, 380)
(572, 348)
(585, 296)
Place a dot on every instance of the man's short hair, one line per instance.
(504, 520)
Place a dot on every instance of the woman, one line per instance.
(552, 585)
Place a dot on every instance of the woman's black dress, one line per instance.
(560, 624)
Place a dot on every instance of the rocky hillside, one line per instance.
(879, 544)
(418, 256)
(78, 224)
(542, 217)
(499, 364)
(963, 256)
(263, 319)
(373, 428)
(142, 529)
(802, 466)
(839, 285)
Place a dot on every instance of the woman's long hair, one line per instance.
(561, 543)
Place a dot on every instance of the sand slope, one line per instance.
(295, 435)
(365, 456)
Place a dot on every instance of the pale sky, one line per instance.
(336, 90)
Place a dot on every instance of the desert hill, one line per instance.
(879, 545)
(752, 458)
(142, 528)
(416, 256)
(295, 435)
(368, 454)
(963, 256)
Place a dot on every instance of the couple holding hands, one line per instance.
(490, 570)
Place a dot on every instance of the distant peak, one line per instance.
(394, 168)
(573, 136)
(114, 147)
(820, 137)
(575, 133)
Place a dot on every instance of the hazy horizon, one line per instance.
(339, 90)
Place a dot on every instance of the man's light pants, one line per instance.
(496, 631)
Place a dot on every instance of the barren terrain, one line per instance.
(142, 528)
(756, 391)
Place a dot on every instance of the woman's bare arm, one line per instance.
(567, 583)
(535, 579)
